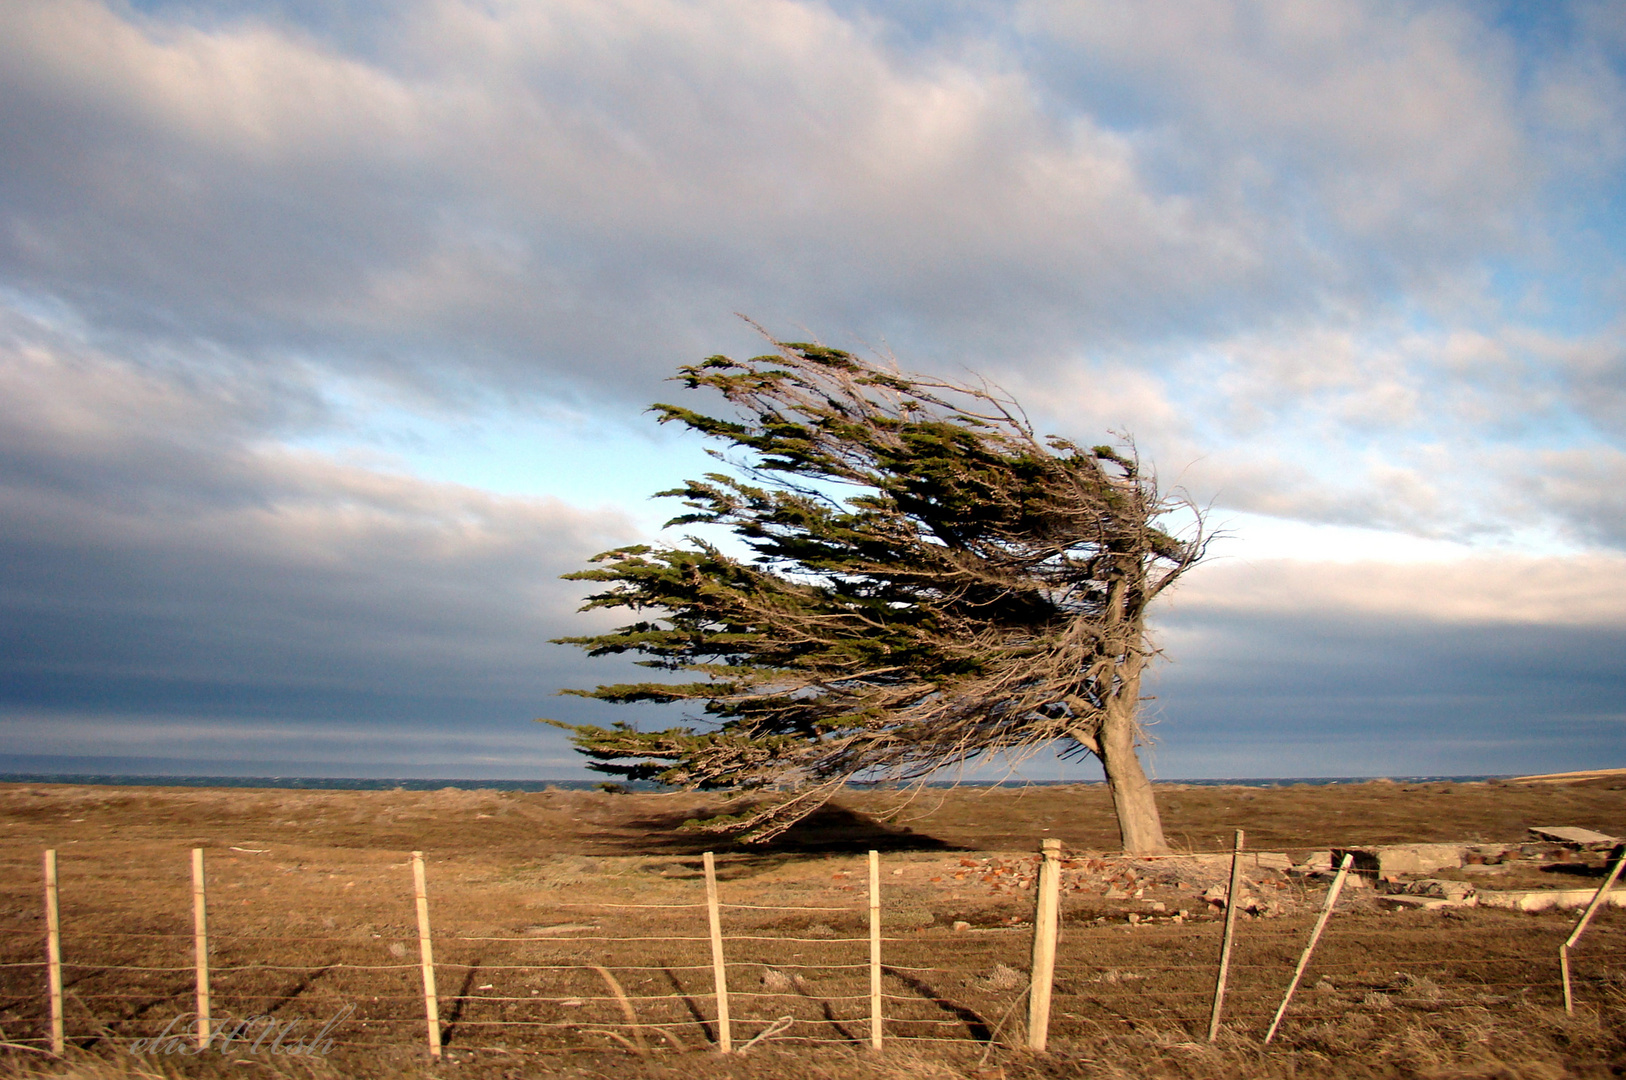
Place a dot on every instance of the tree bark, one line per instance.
(1139, 825)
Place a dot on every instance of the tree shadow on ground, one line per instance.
(831, 829)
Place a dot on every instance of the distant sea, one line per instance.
(361, 783)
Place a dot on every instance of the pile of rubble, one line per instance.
(1167, 888)
(1457, 875)
(1393, 877)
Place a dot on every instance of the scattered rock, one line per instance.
(1442, 888)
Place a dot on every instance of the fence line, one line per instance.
(890, 1012)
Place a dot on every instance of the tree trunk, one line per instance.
(1138, 822)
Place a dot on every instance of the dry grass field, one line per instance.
(311, 911)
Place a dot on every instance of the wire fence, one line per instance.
(710, 972)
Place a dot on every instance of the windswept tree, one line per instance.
(930, 583)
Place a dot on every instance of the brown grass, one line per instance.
(322, 882)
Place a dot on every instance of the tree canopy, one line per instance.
(929, 582)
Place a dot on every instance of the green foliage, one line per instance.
(929, 582)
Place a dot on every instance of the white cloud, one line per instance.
(1529, 591)
(251, 91)
(1453, 431)
(154, 531)
(1588, 486)
(1400, 117)
(540, 182)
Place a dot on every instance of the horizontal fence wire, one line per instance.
(787, 907)
(645, 907)
(566, 940)
(127, 967)
(801, 940)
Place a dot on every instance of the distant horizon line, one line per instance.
(388, 783)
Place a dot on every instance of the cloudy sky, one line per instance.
(327, 327)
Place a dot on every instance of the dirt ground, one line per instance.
(571, 937)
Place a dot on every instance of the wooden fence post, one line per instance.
(1580, 927)
(200, 944)
(1315, 936)
(875, 950)
(719, 970)
(1230, 932)
(426, 952)
(1046, 929)
(53, 953)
